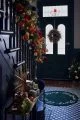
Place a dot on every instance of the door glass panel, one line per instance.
(61, 42)
(55, 11)
(49, 45)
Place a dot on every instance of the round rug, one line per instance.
(60, 98)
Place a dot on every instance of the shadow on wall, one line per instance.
(0, 86)
(6, 89)
(6, 75)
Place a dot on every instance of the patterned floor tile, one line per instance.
(71, 112)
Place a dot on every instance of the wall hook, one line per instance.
(11, 50)
(18, 64)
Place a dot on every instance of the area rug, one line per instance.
(60, 98)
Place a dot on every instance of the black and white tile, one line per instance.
(71, 112)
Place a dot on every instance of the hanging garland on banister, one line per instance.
(27, 19)
(54, 35)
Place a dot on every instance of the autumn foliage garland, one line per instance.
(27, 20)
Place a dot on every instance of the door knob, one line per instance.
(68, 43)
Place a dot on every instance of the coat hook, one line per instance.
(18, 64)
(6, 32)
(11, 50)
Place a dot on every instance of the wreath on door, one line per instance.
(54, 35)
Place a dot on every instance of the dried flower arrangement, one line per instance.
(25, 94)
(74, 69)
(27, 20)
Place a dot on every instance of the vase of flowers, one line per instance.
(74, 70)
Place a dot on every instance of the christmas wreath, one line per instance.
(54, 35)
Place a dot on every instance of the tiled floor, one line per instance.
(71, 112)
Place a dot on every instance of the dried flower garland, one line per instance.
(54, 35)
(27, 20)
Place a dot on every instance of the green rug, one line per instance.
(60, 98)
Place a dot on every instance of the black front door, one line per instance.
(58, 60)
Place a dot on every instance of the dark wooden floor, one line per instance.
(62, 83)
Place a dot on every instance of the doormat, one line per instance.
(60, 98)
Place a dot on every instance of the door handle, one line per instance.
(68, 43)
